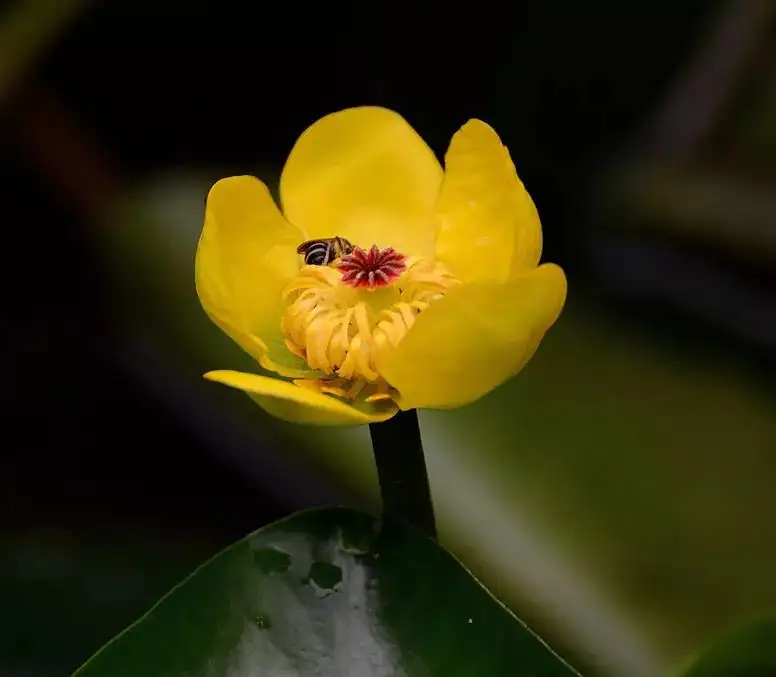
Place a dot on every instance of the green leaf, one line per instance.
(746, 651)
(329, 592)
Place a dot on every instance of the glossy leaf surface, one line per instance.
(329, 592)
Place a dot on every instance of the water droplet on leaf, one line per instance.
(262, 621)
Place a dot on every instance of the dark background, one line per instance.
(124, 90)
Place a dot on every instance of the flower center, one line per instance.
(344, 318)
(371, 269)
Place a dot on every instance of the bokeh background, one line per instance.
(619, 494)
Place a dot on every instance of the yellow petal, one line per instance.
(474, 339)
(298, 405)
(487, 224)
(528, 230)
(246, 255)
(364, 174)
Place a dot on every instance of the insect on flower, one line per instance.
(324, 251)
(415, 286)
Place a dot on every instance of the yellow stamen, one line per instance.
(382, 393)
(320, 386)
(378, 397)
(295, 349)
(341, 330)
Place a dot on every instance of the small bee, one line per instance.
(325, 251)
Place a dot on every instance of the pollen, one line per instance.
(373, 268)
(344, 320)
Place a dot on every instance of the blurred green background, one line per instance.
(618, 494)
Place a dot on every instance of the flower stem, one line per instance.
(401, 468)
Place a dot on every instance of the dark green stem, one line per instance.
(401, 467)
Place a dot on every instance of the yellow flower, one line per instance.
(441, 299)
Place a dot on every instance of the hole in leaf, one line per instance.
(325, 576)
